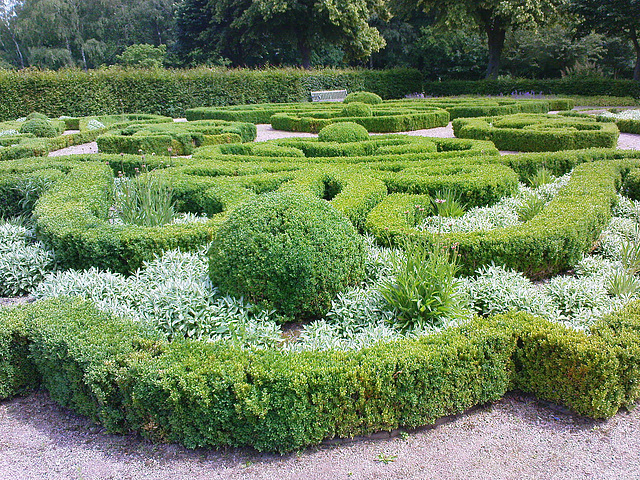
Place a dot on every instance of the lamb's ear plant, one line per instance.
(424, 290)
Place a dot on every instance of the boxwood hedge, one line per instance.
(538, 133)
(211, 395)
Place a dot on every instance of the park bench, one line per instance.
(328, 96)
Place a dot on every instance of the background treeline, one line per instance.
(445, 39)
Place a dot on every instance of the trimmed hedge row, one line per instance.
(72, 219)
(379, 149)
(321, 112)
(211, 395)
(538, 133)
(551, 242)
(171, 92)
(507, 86)
(379, 122)
(174, 138)
(12, 148)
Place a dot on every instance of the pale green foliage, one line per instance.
(173, 294)
(94, 124)
(496, 289)
(508, 212)
(23, 263)
(143, 55)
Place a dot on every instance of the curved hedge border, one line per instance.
(210, 395)
(174, 138)
(538, 133)
(551, 242)
(22, 146)
(379, 149)
(457, 107)
(381, 121)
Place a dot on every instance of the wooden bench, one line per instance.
(328, 96)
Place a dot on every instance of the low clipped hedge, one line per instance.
(379, 122)
(382, 149)
(174, 138)
(72, 218)
(211, 395)
(457, 107)
(538, 133)
(24, 146)
(551, 242)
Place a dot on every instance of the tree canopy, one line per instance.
(612, 17)
(228, 27)
(493, 17)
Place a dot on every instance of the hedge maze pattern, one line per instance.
(202, 394)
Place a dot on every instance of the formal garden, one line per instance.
(196, 286)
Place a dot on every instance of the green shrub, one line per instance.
(631, 185)
(39, 128)
(423, 290)
(363, 97)
(552, 241)
(357, 109)
(288, 250)
(204, 394)
(37, 116)
(535, 133)
(343, 132)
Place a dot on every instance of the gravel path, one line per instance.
(516, 438)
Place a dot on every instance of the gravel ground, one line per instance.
(515, 438)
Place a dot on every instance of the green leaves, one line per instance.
(424, 289)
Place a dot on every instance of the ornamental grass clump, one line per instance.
(145, 201)
(424, 290)
(288, 251)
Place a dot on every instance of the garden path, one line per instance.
(515, 438)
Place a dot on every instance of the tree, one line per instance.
(8, 27)
(493, 17)
(612, 17)
(250, 25)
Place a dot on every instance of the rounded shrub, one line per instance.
(289, 251)
(39, 128)
(357, 109)
(343, 132)
(363, 97)
(37, 116)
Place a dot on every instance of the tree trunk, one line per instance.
(305, 53)
(636, 46)
(84, 58)
(495, 37)
(15, 41)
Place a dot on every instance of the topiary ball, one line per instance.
(357, 109)
(363, 97)
(289, 251)
(39, 128)
(343, 132)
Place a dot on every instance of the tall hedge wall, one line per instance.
(604, 86)
(171, 92)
